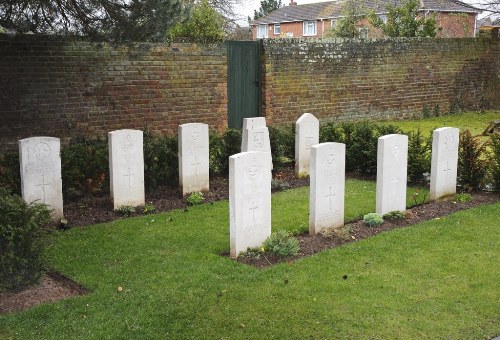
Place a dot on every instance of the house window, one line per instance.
(333, 24)
(277, 29)
(363, 32)
(261, 31)
(309, 28)
(383, 17)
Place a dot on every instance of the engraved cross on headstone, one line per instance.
(394, 182)
(330, 195)
(253, 206)
(196, 163)
(43, 185)
(447, 170)
(129, 175)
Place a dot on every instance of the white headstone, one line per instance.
(392, 161)
(193, 157)
(306, 135)
(258, 140)
(249, 124)
(126, 167)
(249, 201)
(326, 195)
(444, 162)
(40, 163)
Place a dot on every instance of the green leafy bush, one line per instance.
(394, 215)
(281, 243)
(161, 165)
(495, 163)
(426, 111)
(419, 157)
(148, 208)
(221, 148)
(331, 132)
(463, 197)
(195, 198)
(472, 167)
(85, 167)
(282, 141)
(373, 219)
(279, 184)
(10, 176)
(125, 210)
(23, 240)
(361, 152)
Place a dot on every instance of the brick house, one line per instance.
(456, 19)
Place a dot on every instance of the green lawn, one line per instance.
(439, 279)
(474, 121)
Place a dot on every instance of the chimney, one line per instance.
(292, 3)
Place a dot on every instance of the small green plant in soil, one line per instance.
(125, 210)
(394, 215)
(282, 244)
(279, 184)
(148, 208)
(463, 197)
(195, 198)
(373, 219)
(343, 233)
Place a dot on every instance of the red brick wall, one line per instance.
(455, 25)
(377, 79)
(55, 88)
(61, 89)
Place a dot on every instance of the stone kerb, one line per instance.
(327, 178)
(392, 162)
(40, 165)
(126, 167)
(193, 153)
(249, 201)
(306, 135)
(249, 124)
(444, 162)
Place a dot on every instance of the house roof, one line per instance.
(333, 9)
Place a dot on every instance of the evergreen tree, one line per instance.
(114, 20)
(204, 23)
(404, 22)
(266, 7)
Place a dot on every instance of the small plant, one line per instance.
(419, 160)
(416, 195)
(394, 215)
(343, 233)
(125, 210)
(23, 240)
(373, 219)
(148, 209)
(195, 198)
(463, 197)
(253, 253)
(279, 185)
(282, 244)
(437, 110)
(426, 112)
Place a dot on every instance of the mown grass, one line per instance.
(439, 279)
(476, 122)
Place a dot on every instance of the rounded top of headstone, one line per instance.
(307, 117)
(39, 139)
(328, 144)
(193, 125)
(125, 131)
(393, 135)
(446, 128)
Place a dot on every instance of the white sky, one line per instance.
(248, 6)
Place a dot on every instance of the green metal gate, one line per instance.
(244, 85)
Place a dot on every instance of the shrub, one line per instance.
(161, 165)
(85, 167)
(362, 150)
(195, 198)
(373, 219)
(10, 176)
(281, 243)
(23, 240)
(495, 162)
(394, 215)
(221, 148)
(419, 160)
(282, 145)
(471, 167)
(437, 110)
(148, 208)
(426, 112)
(331, 132)
(387, 129)
(279, 185)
